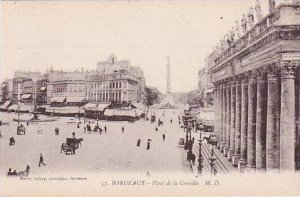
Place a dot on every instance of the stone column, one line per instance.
(287, 116)
(273, 122)
(251, 123)
(261, 121)
(232, 121)
(244, 125)
(219, 116)
(223, 122)
(216, 111)
(237, 133)
(228, 120)
(298, 124)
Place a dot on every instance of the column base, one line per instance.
(230, 155)
(250, 169)
(260, 170)
(235, 160)
(225, 151)
(242, 164)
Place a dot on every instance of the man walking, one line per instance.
(164, 137)
(105, 128)
(123, 129)
(41, 160)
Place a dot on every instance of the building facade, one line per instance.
(65, 88)
(257, 80)
(26, 82)
(115, 81)
(205, 81)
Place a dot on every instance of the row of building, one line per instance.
(255, 85)
(112, 81)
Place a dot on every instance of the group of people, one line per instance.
(138, 144)
(88, 129)
(12, 173)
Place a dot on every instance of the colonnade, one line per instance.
(256, 115)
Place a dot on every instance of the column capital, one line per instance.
(262, 74)
(288, 69)
(252, 76)
(273, 72)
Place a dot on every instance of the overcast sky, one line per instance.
(71, 35)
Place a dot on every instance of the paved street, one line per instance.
(113, 151)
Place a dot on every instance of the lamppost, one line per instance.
(212, 164)
(200, 158)
(97, 115)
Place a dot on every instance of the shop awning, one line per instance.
(102, 106)
(129, 113)
(64, 110)
(25, 108)
(13, 108)
(138, 106)
(109, 112)
(57, 99)
(90, 106)
(5, 105)
(75, 99)
(43, 89)
(26, 96)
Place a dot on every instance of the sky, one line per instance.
(70, 35)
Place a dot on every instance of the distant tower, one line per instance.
(168, 77)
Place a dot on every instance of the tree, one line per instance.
(152, 96)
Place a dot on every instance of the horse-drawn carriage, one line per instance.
(71, 145)
(25, 172)
(21, 130)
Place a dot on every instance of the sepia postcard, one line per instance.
(149, 98)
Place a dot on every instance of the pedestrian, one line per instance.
(73, 134)
(105, 128)
(138, 142)
(179, 122)
(78, 125)
(9, 173)
(171, 121)
(41, 160)
(84, 129)
(123, 129)
(148, 145)
(156, 129)
(164, 137)
(100, 130)
(12, 141)
(14, 173)
(27, 123)
(193, 157)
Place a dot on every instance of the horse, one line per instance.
(211, 140)
(78, 141)
(24, 173)
(66, 148)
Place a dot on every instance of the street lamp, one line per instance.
(212, 164)
(200, 158)
(97, 114)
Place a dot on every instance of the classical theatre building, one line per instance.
(257, 94)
